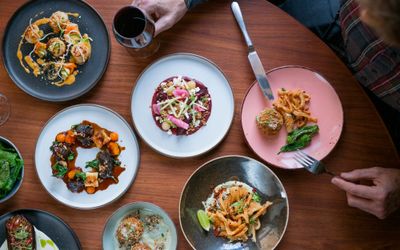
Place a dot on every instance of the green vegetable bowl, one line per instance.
(11, 169)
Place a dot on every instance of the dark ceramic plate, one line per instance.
(51, 225)
(90, 73)
(244, 169)
(18, 183)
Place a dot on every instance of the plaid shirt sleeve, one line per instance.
(375, 64)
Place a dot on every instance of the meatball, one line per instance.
(56, 47)
(140, 246)
(33, 34)
(269, 121)
(58, 21)
(129, 231)
(81, 51)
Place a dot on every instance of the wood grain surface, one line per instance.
(319, 215)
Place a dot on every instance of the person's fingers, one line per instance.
(363, 204)
(355, 189)
(162, 24)
(360, 174)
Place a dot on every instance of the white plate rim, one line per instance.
(207, 61)
(130, 129)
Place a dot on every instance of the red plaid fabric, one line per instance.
(375, 64)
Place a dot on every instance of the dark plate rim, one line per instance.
(18, 185)
(67, 226)
(279, 68)
(41, 97)
(208, 61)
(130, 129)
(224, 157)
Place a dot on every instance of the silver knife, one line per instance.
(255, 61)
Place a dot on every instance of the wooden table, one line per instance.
(319, 215)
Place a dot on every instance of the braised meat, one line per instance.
(84, 134)
(20, 233)
(61, 150)
(106, 165)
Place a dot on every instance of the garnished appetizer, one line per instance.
(142, 230)
(20, 234)
(100, 172)
(181, 105)
(54, 55)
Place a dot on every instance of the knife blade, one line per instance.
(254, 59)
(261, 77)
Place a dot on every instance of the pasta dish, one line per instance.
(294, 107)
(234, 209)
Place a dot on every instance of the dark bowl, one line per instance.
(17, 184)
(244, 169)
(90, 73)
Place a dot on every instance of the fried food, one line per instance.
(269, 121)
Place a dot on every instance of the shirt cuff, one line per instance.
(190, 4)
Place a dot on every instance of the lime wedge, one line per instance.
(203, 220)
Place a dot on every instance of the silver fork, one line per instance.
(311, 164)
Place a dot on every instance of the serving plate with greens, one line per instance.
(11, 169)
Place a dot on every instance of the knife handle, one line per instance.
(239, 19)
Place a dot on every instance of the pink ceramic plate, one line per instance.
(325, 105)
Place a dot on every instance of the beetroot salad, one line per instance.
(181, 105)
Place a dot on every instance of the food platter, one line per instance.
(90, 73)
(50, 227)
(218, 123)
(159, 235)
(128, 158)
(325, 105)
(234, 168)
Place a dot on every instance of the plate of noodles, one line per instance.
(243, 202)
(56, 50)
(306, 114)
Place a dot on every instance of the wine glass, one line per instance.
(4, 109)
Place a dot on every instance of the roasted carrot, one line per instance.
(113, 148)
(90, 190)
(71, 174)
(60, 137)
(114, 136)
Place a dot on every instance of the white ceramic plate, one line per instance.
(63, 121)
(167, 229)
(219, 122)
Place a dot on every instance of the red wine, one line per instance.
(129, 22)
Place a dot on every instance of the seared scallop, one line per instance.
(33, 34)
(72, 34)
(58, 21)
(81, 51)
(56, 47)
(140, 246)
(129, 231)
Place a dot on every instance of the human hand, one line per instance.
(380, 199)
(166, 12)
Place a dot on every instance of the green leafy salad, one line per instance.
(10, 168)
